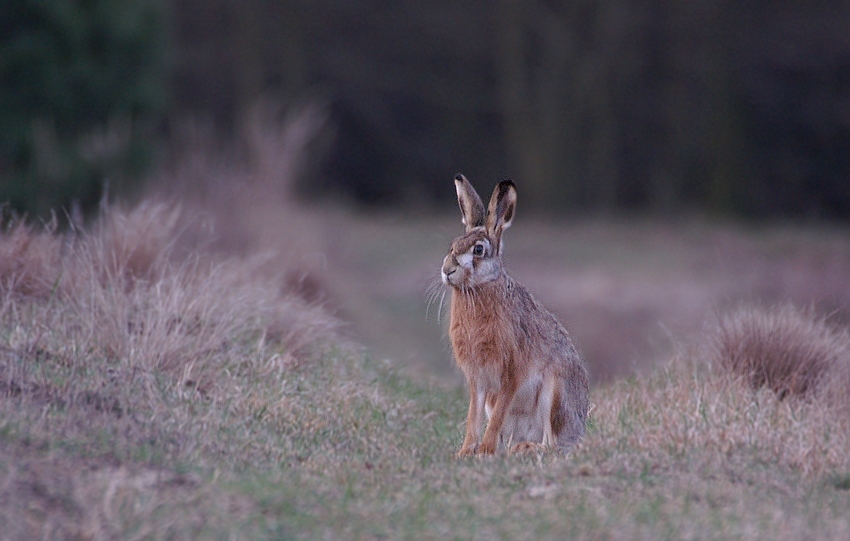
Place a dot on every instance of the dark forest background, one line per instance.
(728, 107)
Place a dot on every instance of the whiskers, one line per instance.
(436, 294)
(475, 300)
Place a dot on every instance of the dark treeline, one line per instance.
(659, 106)
(83, 95)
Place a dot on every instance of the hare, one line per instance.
(521, 365)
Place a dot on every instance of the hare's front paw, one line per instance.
(467, 450)
(487, 448)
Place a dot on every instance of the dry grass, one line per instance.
(790, 350)
(28, 261)
(242, 202)
(696, 411)
(121, 293)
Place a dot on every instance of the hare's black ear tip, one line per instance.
(459, 178)
(505, 185)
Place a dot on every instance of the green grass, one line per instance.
(157, 396)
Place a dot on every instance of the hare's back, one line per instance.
(539, 329)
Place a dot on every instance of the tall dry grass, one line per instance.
(28, 260)
(792, 351)
(122, 294)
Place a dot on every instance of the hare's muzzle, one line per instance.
(449, 268)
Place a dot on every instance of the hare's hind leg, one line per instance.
(544, 435)
(569, 413)
(545, 405)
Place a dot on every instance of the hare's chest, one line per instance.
(485, 348)
(481, 333)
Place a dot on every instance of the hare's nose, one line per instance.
(446, 273)
(449, 261)
(449, 265)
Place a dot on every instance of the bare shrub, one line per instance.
(790, 350)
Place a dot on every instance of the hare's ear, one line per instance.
(500, 212)
(471, 206)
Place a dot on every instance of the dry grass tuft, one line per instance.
(131, 244)
(790, 350)
(29, 262)
(120, 293)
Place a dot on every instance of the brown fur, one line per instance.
(520, 363)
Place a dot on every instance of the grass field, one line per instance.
(240, 366)
(152, 391)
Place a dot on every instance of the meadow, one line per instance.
(233, 365)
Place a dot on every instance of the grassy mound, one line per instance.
(116, 350)
(151, 393)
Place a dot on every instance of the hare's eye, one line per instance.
(478, 250)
